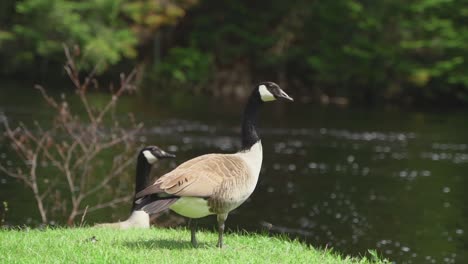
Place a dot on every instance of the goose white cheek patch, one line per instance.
(265, 95)
(149, 157)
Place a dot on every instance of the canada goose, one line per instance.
(214, 183)
(146, 158)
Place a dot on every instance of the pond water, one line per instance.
(349, 179)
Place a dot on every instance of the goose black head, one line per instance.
(270, 91)
(153, 153)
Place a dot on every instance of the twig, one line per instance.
(83, 216)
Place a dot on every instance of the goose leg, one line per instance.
(193, 230)
(221, 220)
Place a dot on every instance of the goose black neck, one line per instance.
(249, 123)
(142, 176)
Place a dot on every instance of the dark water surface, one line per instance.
(350, 179)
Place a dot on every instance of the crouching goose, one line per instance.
(214, 183)
(146, 158)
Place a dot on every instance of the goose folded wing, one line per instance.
(197, 184)
(199, 177)
(203, 177)
(173, 175)
(199, 180)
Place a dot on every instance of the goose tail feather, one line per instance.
(149, 190)
(155, 206)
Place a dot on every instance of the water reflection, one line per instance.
(335, 178)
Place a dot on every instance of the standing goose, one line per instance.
(214, 183)
(147, 157)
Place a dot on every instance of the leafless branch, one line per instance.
(74, 147)
(83, 216)
(19, 176)
(114, 173)
(46, 97)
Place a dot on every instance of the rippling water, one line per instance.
(350, 179)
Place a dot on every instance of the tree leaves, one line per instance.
(108, 31)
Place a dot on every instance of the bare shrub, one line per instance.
(76, 147)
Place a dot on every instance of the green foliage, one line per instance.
(383, 45)
(354, 48)
(184, 66)
(94, 26)
(240, 32)
(107, 31)
(153, 14)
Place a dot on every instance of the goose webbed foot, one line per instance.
(193, 230)
(221, 220)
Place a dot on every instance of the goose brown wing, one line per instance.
(202, 176)
(156, 186)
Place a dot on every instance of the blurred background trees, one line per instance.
(364, 51)
(107, 31)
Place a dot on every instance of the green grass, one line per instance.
(155, 245)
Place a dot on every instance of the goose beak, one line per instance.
(168, 155)
(285, 96)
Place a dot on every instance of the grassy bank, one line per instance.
(155, 246)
